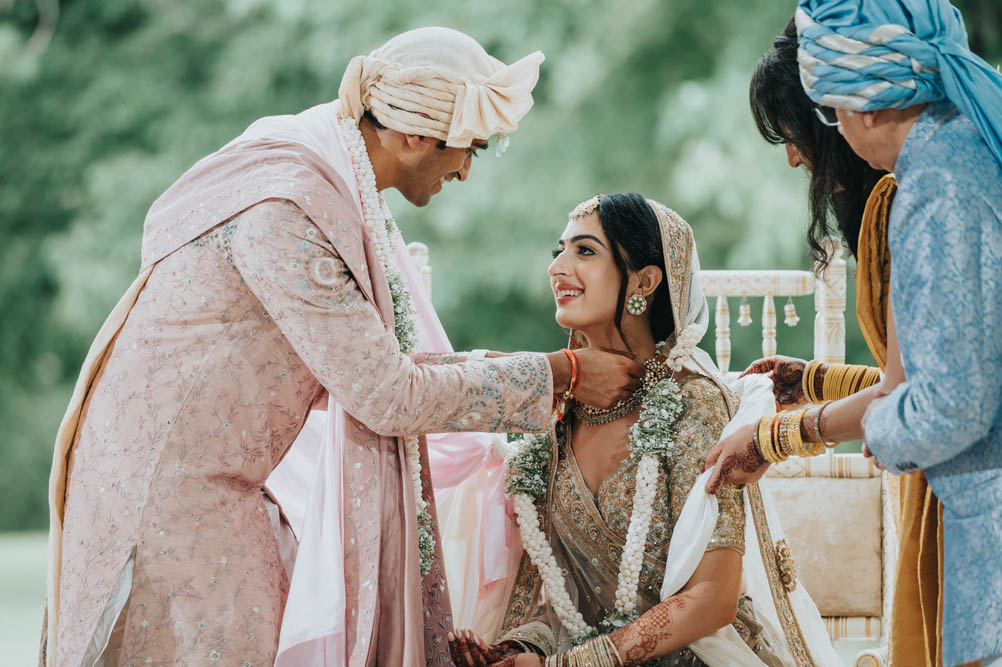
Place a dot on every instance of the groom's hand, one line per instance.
(736, 460)
(607, 377)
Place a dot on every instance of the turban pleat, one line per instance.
(440, 83)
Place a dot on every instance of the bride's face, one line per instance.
(584, 277)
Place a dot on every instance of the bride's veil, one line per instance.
(792, 626)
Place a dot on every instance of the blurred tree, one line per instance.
(104, 103)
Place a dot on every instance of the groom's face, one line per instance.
(584, 278)
(428, 165)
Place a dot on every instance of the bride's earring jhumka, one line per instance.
(636, 304)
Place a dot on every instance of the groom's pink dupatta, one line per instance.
(302, 159)
(309, 485)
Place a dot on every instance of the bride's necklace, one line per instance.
(651, 438)
(589, 415)
(382, 229)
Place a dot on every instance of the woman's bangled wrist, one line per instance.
(812, 382)
(836, 381)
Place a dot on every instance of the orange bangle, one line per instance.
(575, 372)
(571, 385)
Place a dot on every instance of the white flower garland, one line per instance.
(651, 438)
(684, 345)
(383, 231)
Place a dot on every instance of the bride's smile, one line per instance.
(590, 281)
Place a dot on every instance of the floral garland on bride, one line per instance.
(383, 232)
(651, 438)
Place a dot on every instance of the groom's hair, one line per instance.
(632, 228)
(841, 181)
(369, 116)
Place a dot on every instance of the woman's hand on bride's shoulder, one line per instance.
(607, 377)
(737, 460)
(787, 375)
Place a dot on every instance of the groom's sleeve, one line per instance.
(311, 295)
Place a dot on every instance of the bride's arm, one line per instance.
(709, 600)
(707, 603)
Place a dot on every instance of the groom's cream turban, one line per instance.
(437, 82)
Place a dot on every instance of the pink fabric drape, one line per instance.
(313, 625)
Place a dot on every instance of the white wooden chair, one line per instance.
(834, 507)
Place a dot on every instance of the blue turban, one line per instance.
(864, 55)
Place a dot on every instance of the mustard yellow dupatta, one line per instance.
(918, 597)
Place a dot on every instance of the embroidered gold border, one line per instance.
(780, 596)
(677, 242)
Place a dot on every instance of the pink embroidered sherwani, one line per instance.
(255, 302)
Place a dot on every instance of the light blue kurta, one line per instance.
(945, 238)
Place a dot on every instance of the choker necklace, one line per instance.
(589, 415)
(655, 370)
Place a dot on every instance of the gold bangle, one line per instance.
(843, 380)
(845, 377)
(814, 447)
(807, 380)
(814, 380)
(614, 656)
(779, 429)
(870, 378)
(846, 384)
(821, 437)
(787, 445)
(765, 439)
(831, 373)
(775, 439)
(775, 429)
(797, 444)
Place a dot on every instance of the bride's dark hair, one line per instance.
(632, 228)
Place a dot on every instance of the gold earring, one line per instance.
(636, 304)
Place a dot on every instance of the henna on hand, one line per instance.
(808, 425)
(760, 367)
(638, 641)
(787, 374)
(747, 460)
(467, 649)
(787, 381)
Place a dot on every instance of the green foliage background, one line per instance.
(104, 103)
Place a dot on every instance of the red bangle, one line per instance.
(575, 372)
(571, 385)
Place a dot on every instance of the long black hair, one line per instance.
(633, 231)
(841, 181)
